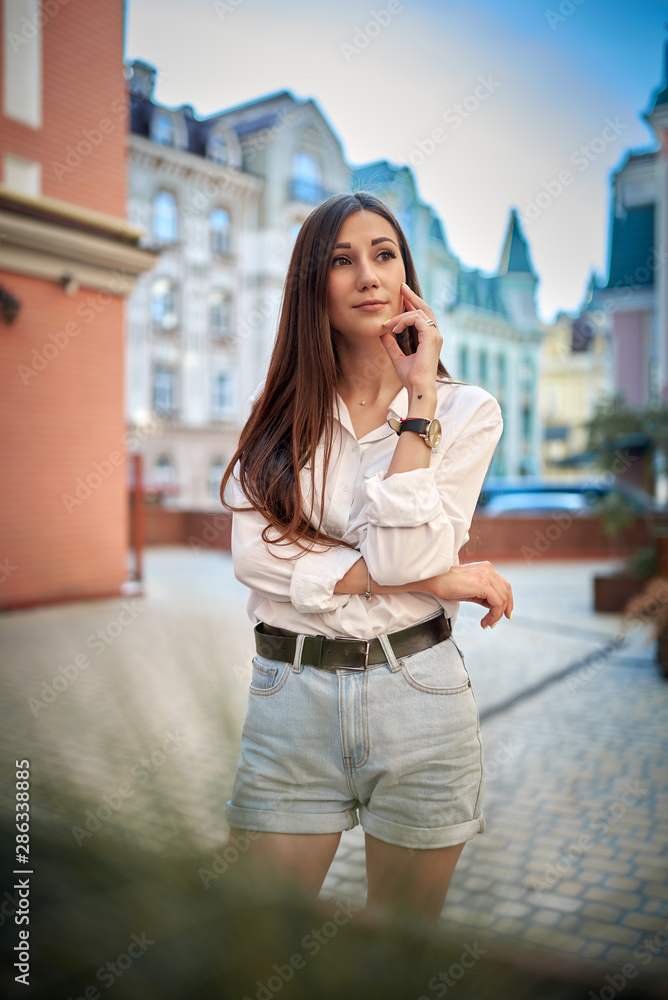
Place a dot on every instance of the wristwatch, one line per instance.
(430, 430)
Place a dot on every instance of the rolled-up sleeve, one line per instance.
(286, 572)
(419, 520)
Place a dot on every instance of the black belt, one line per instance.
(349, 654)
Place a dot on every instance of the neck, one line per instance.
(366, 373)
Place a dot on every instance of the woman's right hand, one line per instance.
(478, 582)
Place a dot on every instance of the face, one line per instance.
(365, 275)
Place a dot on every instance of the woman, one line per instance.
(359, 698)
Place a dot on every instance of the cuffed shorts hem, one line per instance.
(268, 821)
(419, 837)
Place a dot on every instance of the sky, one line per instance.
(490, 103)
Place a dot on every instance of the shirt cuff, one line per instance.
(403, 500)
(316, 574)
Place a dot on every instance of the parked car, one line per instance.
(535, 503)
(517, 495)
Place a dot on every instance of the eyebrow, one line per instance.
(379, 239)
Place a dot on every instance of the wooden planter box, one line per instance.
(612, 592)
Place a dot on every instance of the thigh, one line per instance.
(299, 860)
(408, 881)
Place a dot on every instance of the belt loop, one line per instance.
(389, 652)
(299, 645)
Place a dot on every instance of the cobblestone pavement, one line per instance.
(148, 693)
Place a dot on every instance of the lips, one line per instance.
(371, 305)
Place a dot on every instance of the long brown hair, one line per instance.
(294, 413)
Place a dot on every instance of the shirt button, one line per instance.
(346, 487)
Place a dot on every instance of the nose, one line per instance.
(366, 276)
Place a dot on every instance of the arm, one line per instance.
(419, 519)
(478, 582)
(285, 572)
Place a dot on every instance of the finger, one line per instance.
(394, 351)
(411, 296)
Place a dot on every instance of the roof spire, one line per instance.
(515, 254)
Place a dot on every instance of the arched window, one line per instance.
(306, 180)
(219, 315)
(162, 129)
(164, 473)
(163, 304)
(219, 227)
(165, 217)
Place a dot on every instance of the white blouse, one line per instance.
(408, 527)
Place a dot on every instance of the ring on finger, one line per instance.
(431, 322)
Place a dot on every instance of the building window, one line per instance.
(306, 181)
(165, 217)
(216, 470)
(164, 390)
(482, 368)
(222, 401)
(163, 304)
(219, 315)
(162, 129)
(463, 362)
(217, 149)
(23, 60)
(219, 223)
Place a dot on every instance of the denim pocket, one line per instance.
(437, 670)
(268, 676)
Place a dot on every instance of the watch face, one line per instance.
(433, 436)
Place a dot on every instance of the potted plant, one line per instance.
(651, 608)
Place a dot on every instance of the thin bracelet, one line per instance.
(368, 585)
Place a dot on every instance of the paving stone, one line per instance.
(508, 925)
(608, 865)
(626, 884)
(553, 938)
(599, 912)
(553, 901)
(549, 918)
(593, 949)
(591, 877)
(625, 900)
(509, 908)
(654, 906)
(570, 888)
(650, 874)
(608, 932)
(645, 922)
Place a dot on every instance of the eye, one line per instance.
(335, 262)
(390, 254)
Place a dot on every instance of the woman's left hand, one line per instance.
(415, 370)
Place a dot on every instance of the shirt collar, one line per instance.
(397, 408)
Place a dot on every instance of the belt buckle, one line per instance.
(347, 638)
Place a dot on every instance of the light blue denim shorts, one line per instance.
(395, 747)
